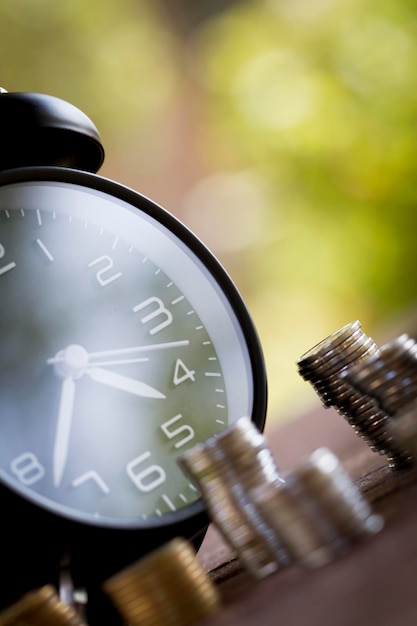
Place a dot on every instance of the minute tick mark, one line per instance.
(45, 250)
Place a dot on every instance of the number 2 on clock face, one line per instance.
(8, 266)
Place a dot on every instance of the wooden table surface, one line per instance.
(375, 584)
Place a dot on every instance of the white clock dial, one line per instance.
(123, 343)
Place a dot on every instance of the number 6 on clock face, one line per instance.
(123, 343)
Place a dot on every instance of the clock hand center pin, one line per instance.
(70, 362)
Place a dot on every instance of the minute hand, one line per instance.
(135, 349)
(123, 383)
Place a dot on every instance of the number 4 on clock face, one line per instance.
(182, 373)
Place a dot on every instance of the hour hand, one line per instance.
(62, 436)
(123, 383)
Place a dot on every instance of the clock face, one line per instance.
(123, 343)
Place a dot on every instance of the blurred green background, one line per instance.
(283, 132)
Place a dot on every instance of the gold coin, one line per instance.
(41, 607)
(168, 587)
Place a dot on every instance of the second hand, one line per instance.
(125, 351)
(146, 348)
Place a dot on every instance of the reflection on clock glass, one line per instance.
(119, 351)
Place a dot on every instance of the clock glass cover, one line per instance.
(123, 343)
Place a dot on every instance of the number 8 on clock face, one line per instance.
(123, 343)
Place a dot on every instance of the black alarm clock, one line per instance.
(123, 342)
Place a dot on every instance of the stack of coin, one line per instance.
(324, 365)
(41, 607)
(318, 512)
(390, 377)
(226, 467)
(245, 455)
(168, 587)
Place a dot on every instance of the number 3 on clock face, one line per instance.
(123, 343)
